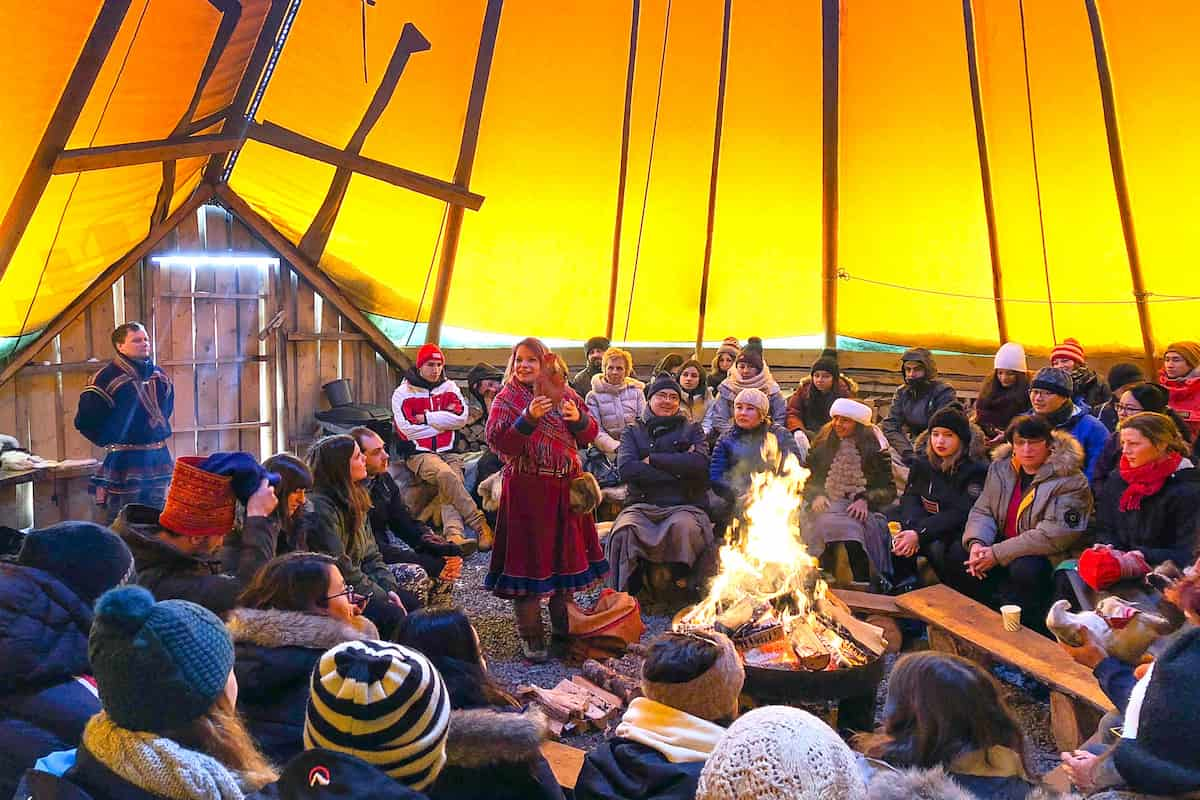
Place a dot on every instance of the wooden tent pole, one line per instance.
(985, 170)
(623, 169)
(1120, 183)
(462, 171)
(105, 281)
(313, 274)
(830, 58)
(712, 176)
(58, 129)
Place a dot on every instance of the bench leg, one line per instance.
(1071, 721)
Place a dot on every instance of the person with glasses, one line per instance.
(1129, 400)
(296, 607)
(1050, 395)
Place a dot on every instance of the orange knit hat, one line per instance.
(198, 503)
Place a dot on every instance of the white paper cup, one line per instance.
(1012, 617)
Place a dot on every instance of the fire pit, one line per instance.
(797, 641)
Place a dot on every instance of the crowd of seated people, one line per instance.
(284, 617)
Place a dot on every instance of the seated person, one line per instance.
(615, 400)
(1126, 402)
(594, 349)
(697, 397)
(943, 711)
(690, 685)
(1148, 509)
(1180, 374)
(338, 524)
(192, 549)
(808, 407)
(849, 488)
(1121, 376)
(739, 452)
(428, 409)
(945, 481)
(1050, 396)
(1004, 394)
(914, 403)
(1035, 504)
(492, 749)
(292, 493)
(722, 362)
(295, 609)
(663, 460)
(168, 725)
(483, 384)
(46, 599)
(750, 371)
(1088, 391)
(401, 538)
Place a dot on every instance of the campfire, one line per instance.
(769, 597)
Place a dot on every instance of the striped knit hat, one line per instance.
(383, 703)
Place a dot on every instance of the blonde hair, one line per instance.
(624, 355)
(220, 733)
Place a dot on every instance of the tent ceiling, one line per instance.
(912, 234)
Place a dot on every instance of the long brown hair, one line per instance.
(220, 733)
(992, 386)
(329, 461)
(293, 476)
(290, 582)
(938, 708)
(1159, 429)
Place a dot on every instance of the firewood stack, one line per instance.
(591, 701)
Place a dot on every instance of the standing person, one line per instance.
(808, 407)
(1035, 504)
(544, 547)
(428, 409)
(1089, 392)
(126, 408)
(1120, 377)
(697, 397)
(1181, 375)
(46, 599)
(338, 524)
(722, 362)
(1050, 395)
(594, 349)
(616, 399)
(914, 403)
(1004, 394)
(292, 493)
(750, 371)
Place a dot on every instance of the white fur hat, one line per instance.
(1011, 356)
(845, 407)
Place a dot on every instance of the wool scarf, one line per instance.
(157, 764)
(845, 479)
(678, 736)
(551, 446)
(762, 381)
(1145, 480)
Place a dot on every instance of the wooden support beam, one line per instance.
(462, 170)
(830, 65)
(58, 129)
(313, 274)
(104, 282)
(1116, 158)
(301, 145)
(125, 155)
(623, 169)
(712, 177)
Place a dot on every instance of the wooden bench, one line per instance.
(565, 762)
(958, 624)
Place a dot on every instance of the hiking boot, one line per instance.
(487, 538)
(468, 546)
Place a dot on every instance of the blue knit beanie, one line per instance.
(158, 666)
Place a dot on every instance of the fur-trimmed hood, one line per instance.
(934, 784)
(1066, 455)
(274, 628)
(977, 449)
(480, 738)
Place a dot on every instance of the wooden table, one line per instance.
(1076, 701)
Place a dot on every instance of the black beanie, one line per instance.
(828, 362)
(751, 356)
(951, 417)
(88, 558)
(321, 773)
(754, 343)
(664, 380)
(596, 343)
(1124, 374)
(1151, 397)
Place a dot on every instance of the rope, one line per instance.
(432, 262)
(637, 252)
(75, 184)
(1037, 182)
(1149, 297)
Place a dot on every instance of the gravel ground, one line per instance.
(493, 620)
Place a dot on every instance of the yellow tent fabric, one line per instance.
(912, 238)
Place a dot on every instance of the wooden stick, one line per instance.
(124, 155)
(58, 129)
(623, 169)
(106, 279)
(830, 55)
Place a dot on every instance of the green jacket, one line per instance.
(325, 529)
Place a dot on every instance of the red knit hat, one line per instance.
(1070, 348)
(1099, 568)
(198, 503)
(428, 352)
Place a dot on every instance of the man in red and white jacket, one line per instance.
(427, 409)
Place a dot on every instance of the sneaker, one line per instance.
(487, 538)
(468, 546)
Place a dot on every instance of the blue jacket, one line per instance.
(1091, 435)
(738, 455)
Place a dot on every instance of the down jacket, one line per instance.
(43, 648)
(935, 502)
(615, 408)
(275, 655)
(677, 474)
(1163, 529)
(441, 408)
(1053, 514)
(738, 455)
(1091, 435)
(718, 420)
(913, 406)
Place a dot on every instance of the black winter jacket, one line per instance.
(43, 647)
(275, 655)
(493, 755)
(392, 523)
(173, 575)
(910, 413)
(622, 769)
(677, 474)
(1164, 528)
(936, 503)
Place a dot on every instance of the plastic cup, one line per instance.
(1012, 618)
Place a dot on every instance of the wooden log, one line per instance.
(1072, 721)
(607, 678)
(891, 632)
(150, 152)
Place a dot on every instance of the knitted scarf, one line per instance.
(1060, 417)
(551, 445)
(158, 765)
(1145, 480)
(995, 410)
(845, 479)
(763, 381)
(656, 425)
